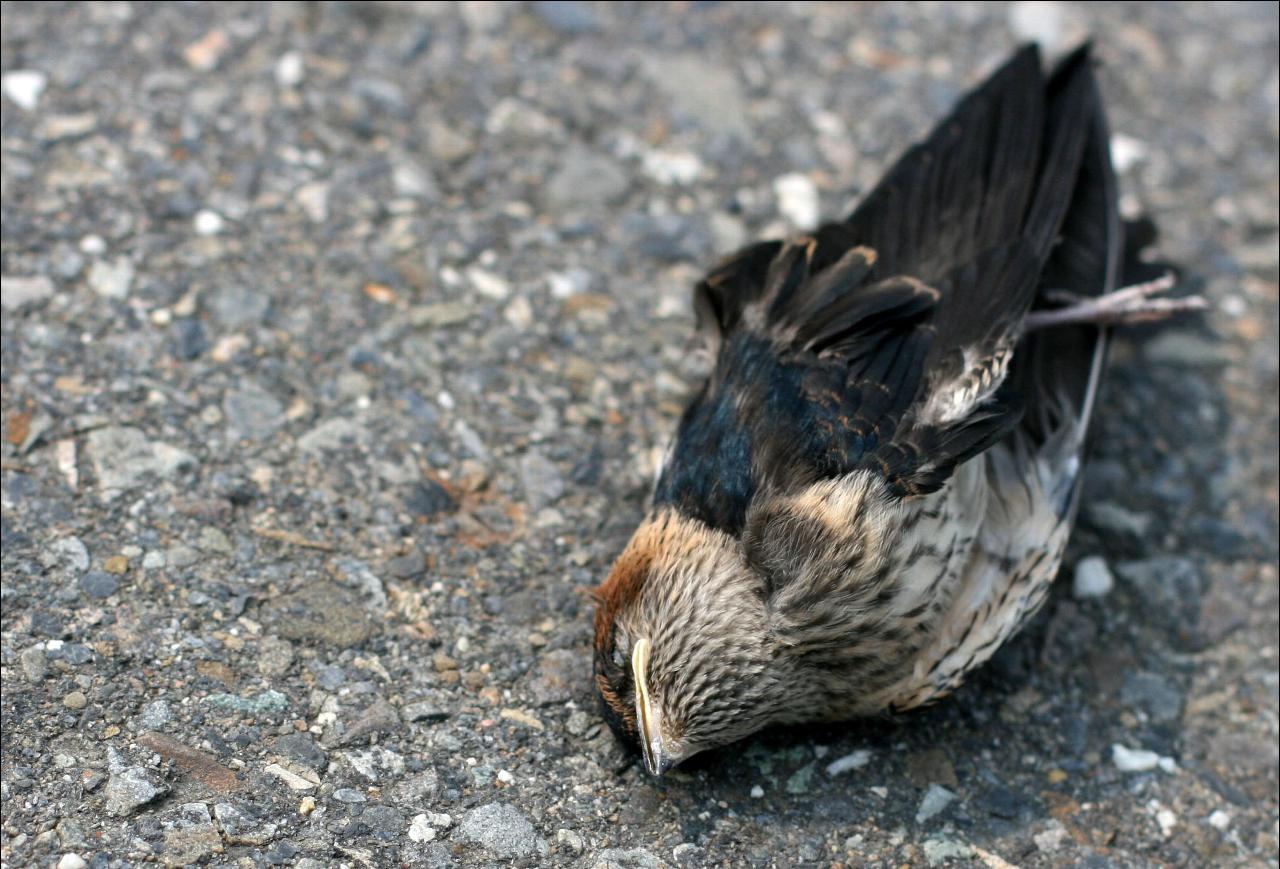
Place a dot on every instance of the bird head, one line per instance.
(683, 658)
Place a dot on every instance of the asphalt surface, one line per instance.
(340, 342)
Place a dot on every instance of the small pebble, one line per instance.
(208, 222)
(24, 87)
(420, 830)
(1092, 578)
(1133, 759)
(99, 585)
(757, 792)
(289, 70)
(93, 245)
(72, 861)
(75, 700)
(1039, 21)
(854, 760)
(570, 840)
(797, 200)
(936, 799)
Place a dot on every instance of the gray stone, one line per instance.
(938, 851)
(332, 435)
(350, 796)
(585, 179)
(1186, 349)
(418, 790)
(258, 704)
(303, 749)
(543, 484)
(500, 828)
(123, 458)
(242, 825)
(35, 663)
(155, 715)
(566, 16)
(251, 412)
(440, 314)
(214, 540)
(130, 789)
(72, 554)
(384, 819)
(626, 858)
(99, 585)
(702, 92)
(1110, 516)
(16, 291)
(236, 307)
(275, 656)
(425, 710)
(445, 143)
(1154, 695)
(557, 677)
(936, 799)
(57, 128)
(379, 718)
(182, 556)
(322, 612)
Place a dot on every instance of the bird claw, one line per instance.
(1124, 306)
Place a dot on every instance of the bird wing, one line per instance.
(881, 342)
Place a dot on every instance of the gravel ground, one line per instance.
(339, 344)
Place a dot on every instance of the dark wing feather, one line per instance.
(830, 347)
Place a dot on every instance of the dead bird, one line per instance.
(873, 489)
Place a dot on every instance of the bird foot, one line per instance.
(1127, 305)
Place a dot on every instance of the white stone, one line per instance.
(936, 798)
(570, 840)
(24, 87)
(290, 70)
(1092, 578)
(420, 830)
(488, 284)
(797, 199)
(519, 313)
(672, 167)
(854, 760)
(314, 200)
(208, 222)
(1167, 821)
(1127, 152)
(1133, 759)
(111, 278)
(564, 285)
(292, 779)
(757, 792)
(1037, 22)
(17, 290)
(72, 861)
(1219, 820)
(93, 245)
(1050, 839)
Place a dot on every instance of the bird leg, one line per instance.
(1126, 305)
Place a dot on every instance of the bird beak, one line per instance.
(656, 759)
